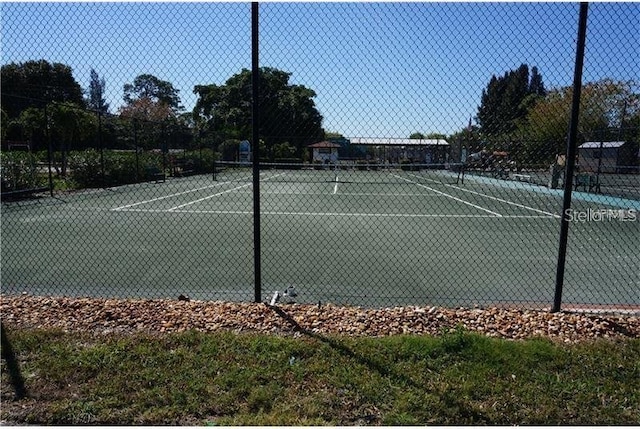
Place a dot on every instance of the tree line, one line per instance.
(516, 113)
(152, 116)
(519, 115)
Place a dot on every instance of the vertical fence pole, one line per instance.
(49, 149)
(255, 125)
(571, 155)
(100, 145)
(135, 145)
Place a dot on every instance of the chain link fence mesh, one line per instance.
(409, 153)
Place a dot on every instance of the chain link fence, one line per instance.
(397, 153)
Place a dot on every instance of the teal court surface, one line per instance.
(371, 238)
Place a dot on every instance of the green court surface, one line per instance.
(371, 238)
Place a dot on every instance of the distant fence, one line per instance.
(360, 154)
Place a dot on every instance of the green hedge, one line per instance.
(88, 169)
(19, 171)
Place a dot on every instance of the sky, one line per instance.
(378, 69)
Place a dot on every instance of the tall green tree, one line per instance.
(507, 99)
(96, 99)
(35, 84)
(287, 112)
(70, 126)
(536, 85)
(157, 91)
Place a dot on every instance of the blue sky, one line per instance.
(379, 69)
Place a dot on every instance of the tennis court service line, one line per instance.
(218, 194)
(449, 196)
(208, 197)
(177, 194)
(169, 196)
(522, 206)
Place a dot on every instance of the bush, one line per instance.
(85, 166)
(201, 160)
(120, 167)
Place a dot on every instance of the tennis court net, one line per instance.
(370, 173)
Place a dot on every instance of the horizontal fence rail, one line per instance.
(372, 154)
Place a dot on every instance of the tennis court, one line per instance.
(361, 237)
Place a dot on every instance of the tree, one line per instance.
(96, 99)
(4, 121)
(145, 109)
(508, 99)
(153, 105)
(32, 124)
(35, 84)
(536, 86)
(607, 108)
(70, 126)
(149, 87)
(287, 112)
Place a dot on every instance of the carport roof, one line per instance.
(596, 145)
(381, 141)
(324, 144)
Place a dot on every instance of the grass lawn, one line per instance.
(224, 378)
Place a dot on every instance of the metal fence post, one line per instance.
(571, 155)
(255, 124)
(49, 149)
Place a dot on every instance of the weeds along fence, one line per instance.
(376, 154)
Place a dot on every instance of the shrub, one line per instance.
(201, 160)
(19, 170)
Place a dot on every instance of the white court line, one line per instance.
(335, 188)
(348, 194)
(208, 197)
(335, 214)
(449, 196)
(169, 196)
(218, 194)
(506, 201)
(498, 199)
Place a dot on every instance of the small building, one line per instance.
(325, 152)
(421, 151)
(607, 157)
